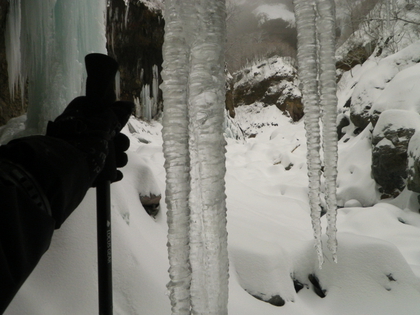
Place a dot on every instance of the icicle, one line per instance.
(155, 90)
(328, 92)
(146, 102)
(12, 39)
(118, 85)
(208, 236)
(55, 36)
(176, 153)
(316, 54)
(127, 8)
(193, 122)
(308, 74)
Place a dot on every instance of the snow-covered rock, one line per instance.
(390, 139)
(413, 180)
(272, 82)
(381, 79)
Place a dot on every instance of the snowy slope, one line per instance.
(270, 237)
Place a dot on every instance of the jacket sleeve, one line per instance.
(42, 180)
(62, 172)
(25, 235)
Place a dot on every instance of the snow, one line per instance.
(261, 70)
(268, 12)
(157, 5)
(270, 235)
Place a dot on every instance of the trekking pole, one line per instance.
(101, 70)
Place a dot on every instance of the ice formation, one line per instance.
(194, 149)
(316, 46)
(46, 43)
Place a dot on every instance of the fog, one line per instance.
(252, 37)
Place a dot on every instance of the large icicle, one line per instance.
(175, 74)
(328, 92)
(193, 91)
(316, 56)
(208, 235)
(308, 73)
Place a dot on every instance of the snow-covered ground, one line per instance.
(270, 235)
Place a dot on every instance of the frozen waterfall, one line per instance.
(46, 42)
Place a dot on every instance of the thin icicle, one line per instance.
(308, 74)
(328, 92)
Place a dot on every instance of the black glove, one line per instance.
(96, 132)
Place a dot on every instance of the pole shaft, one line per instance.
(103, 218)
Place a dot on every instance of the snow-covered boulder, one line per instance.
(263, 270)
(402, 91)
(386, 83)
(390, 139)
(272, 82)
(413, 180)
(365, 264)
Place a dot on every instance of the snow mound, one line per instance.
(366, 265)
(376, 84)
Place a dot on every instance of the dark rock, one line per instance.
(317, 286)
(135, 39)
(344, 122)
(293, 106)
(389, 152)
(151, 204)
(230, 104)
(413, 172)
(360, 118)
(298, 285)
(275, 300)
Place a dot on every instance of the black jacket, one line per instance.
(42, 180)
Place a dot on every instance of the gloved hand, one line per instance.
(95, 131)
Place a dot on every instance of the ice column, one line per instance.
(208, 235)
(176, 152)
(52, 38)
(316, 46)
(194, 149)
(328, 93)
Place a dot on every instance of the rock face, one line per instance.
(135, 38)
(9, 106)
(272, 82)
(390, 140)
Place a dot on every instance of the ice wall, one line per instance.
(46, 43)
